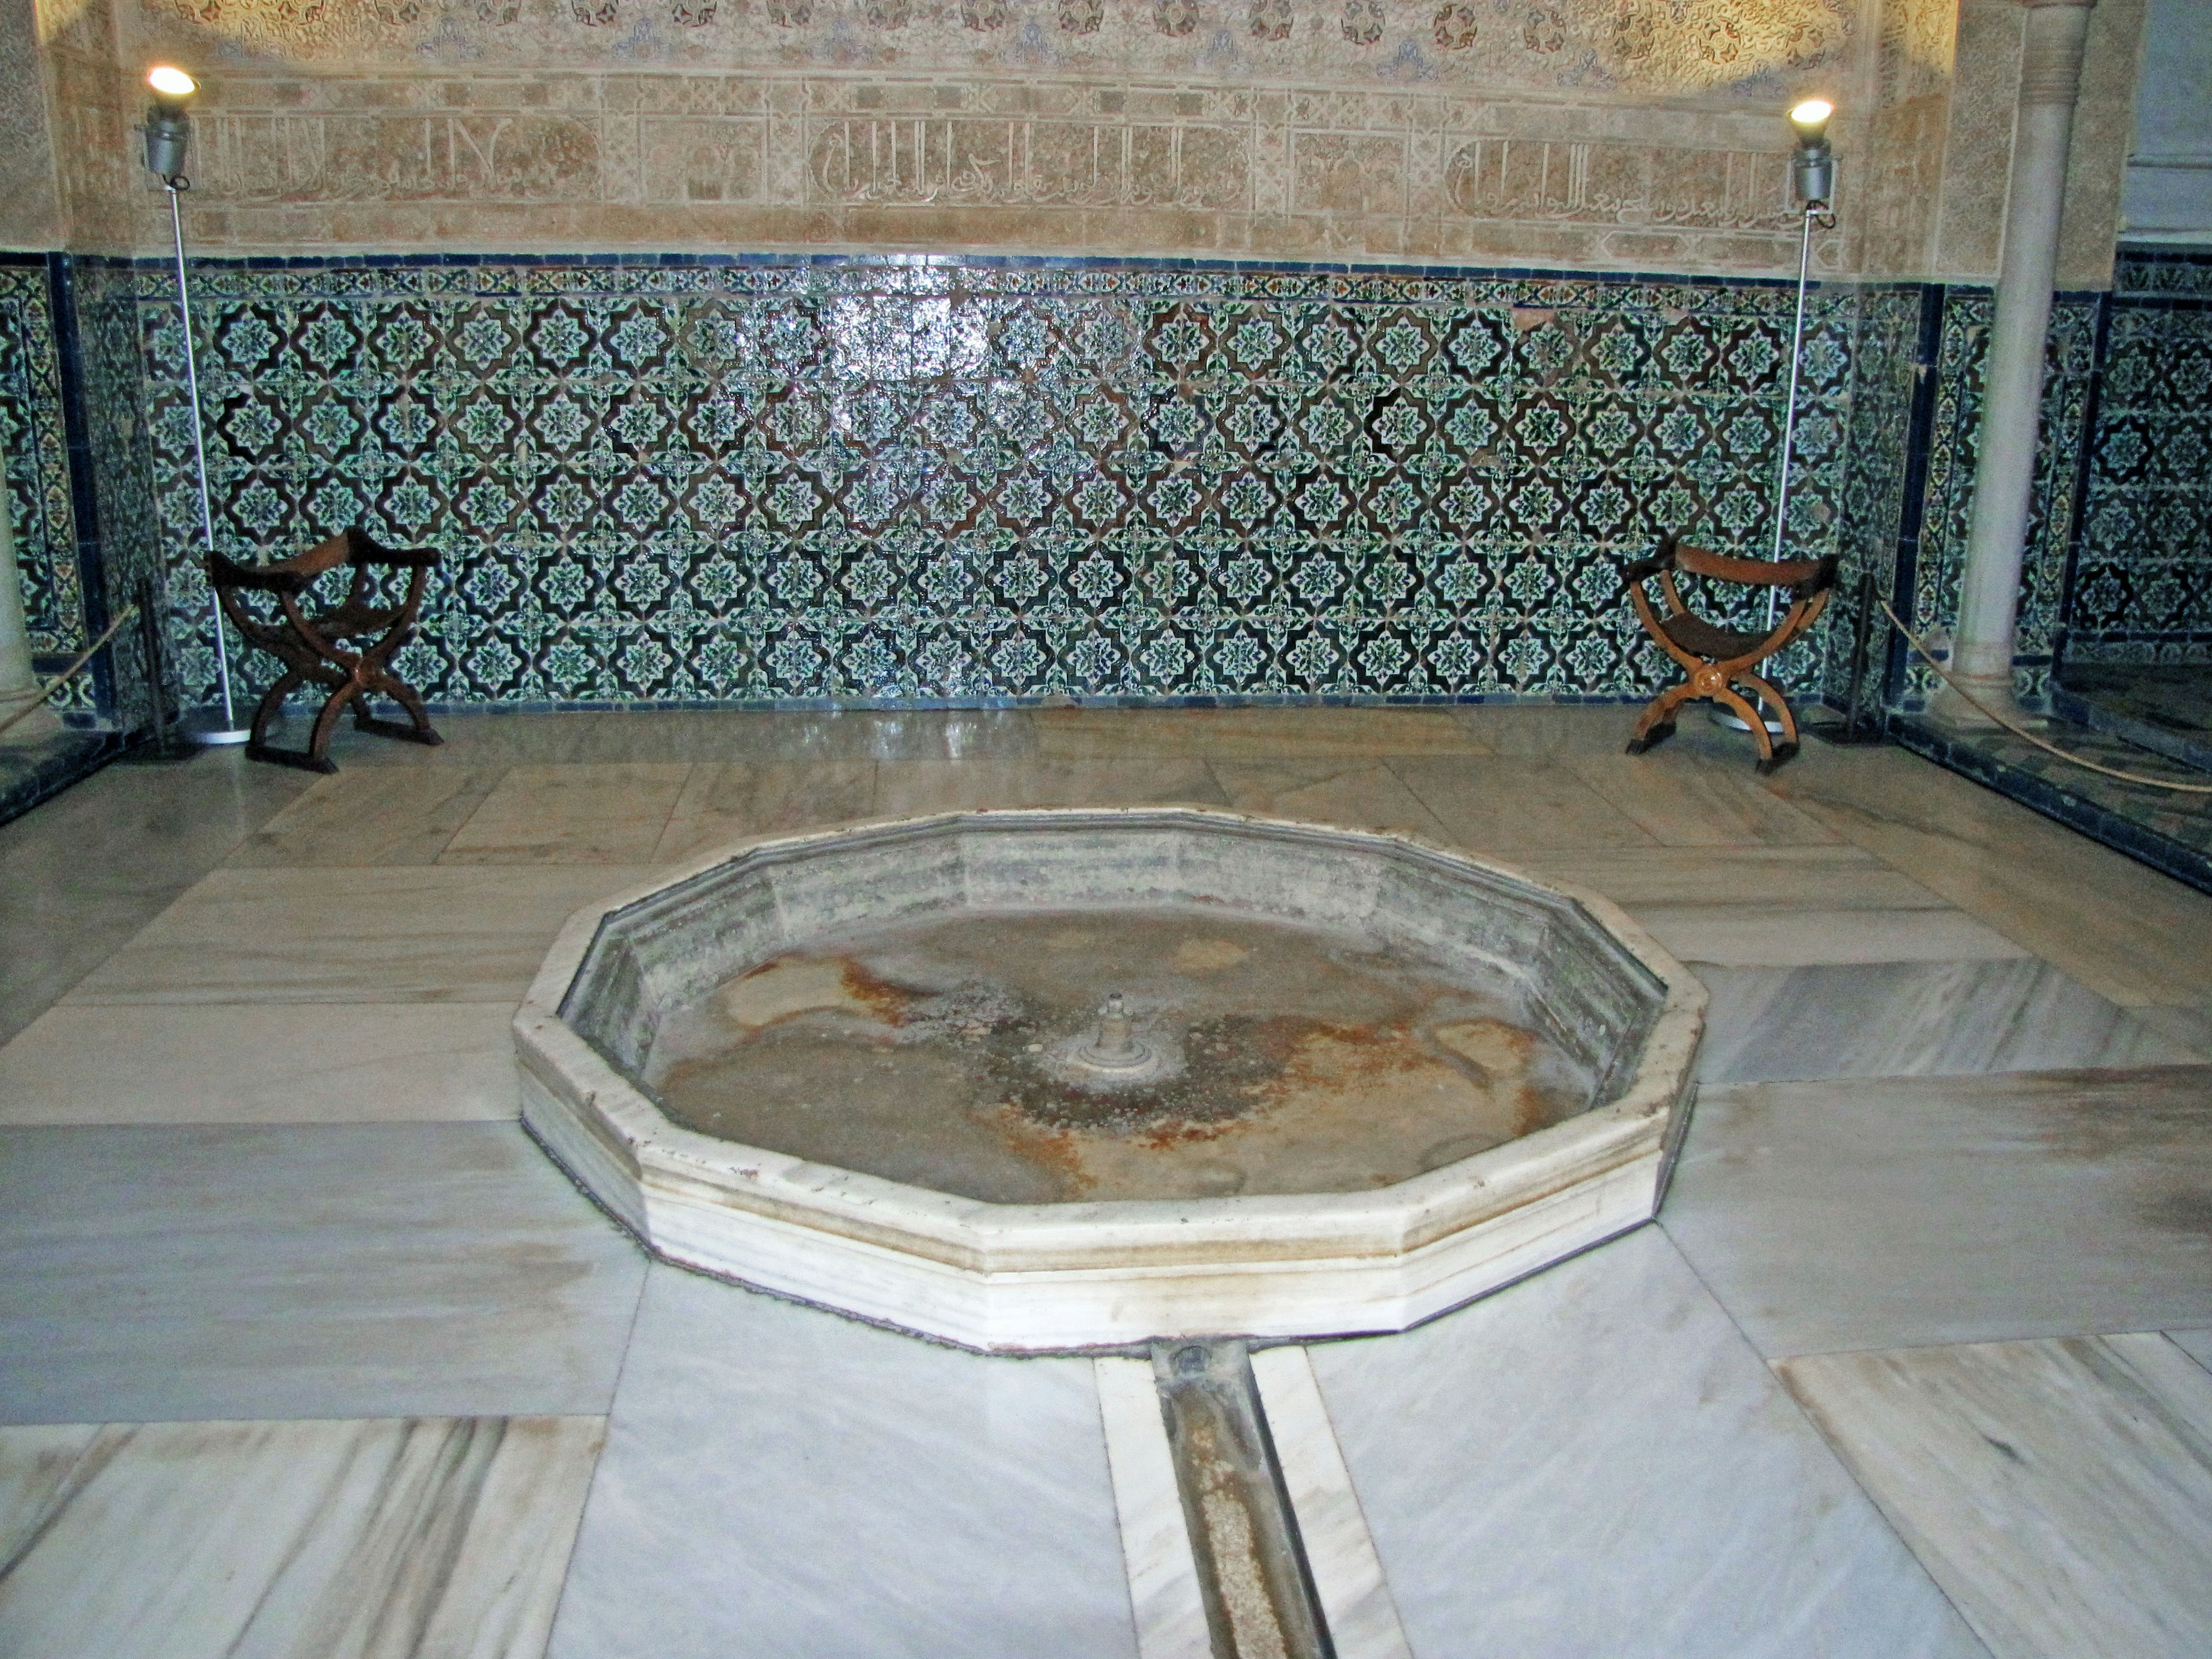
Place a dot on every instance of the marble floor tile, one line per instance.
(300, 1540)
(1680, 801)
(1165, 1596)
(1806, 935)
(376, 815)
(2121, 928)
(1503, 805)
(1350, 794)
(82, 873)
(1526, 731)
(1882, 1212)
(1832, 878)
(389, 1270)
(735, 800)
(780, 1481)
(434, 934)
(1914, 1018)
(1277, 734)
(918, 786)
(239, 1063)
(683, 735)
(2060, 1491)
(35, 1461)
(1593, 1461)
(610, 813)
(2197, 1344)
(1347, 1577)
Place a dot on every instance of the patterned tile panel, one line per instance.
(36, 458)
(2142, 585)
(973, 481)
(2069, 353)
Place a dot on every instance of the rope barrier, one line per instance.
(1987, 713)
(67, 674)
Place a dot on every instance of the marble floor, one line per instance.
(306, 1351)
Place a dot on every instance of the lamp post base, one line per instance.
(1736, 722)
(207, 729)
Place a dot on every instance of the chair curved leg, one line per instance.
(1785, 750)
(271, 705)
(1658, 724)
(1748, 712)
(418, 731)
(318, 741)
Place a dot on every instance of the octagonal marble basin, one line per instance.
(1042, 1080)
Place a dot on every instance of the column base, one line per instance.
(1948, 708)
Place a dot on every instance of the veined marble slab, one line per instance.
(289, 1063)
(2197, 1344)
(90, 868)
(1165, 1596)
(1915, 1018)
(1593, 1462)
(1829, 878)
(158, 1273)
(608, 813)
(906, 788)
(1805, 934)
(1353, 794)
(740, 799)
(2060, 1491)
(1685, 801)
(1880, 1212)
(780, 1481)
(1355, 1596)
(2118, 927)
(291, 1541)
(1502, 806)
(371, 815)
(1248, 733)
(434, 933)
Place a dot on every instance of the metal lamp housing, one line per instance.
(168, 135)
(1812, 173)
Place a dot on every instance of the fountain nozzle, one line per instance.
(1115, 1049)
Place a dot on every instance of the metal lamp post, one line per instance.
(1813, 181)
(168, 133)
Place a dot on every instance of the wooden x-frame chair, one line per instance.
(1719, 659)
(314, 649)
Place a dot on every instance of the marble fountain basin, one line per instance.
(1040, 1080)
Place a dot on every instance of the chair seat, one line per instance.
(351, 622)
(1702, 639)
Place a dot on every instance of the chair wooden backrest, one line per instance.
(1719, 659)
(347, 648)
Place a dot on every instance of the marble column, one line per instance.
(2004, 472)
(19, 683)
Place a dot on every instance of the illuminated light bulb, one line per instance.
(172, 89)
(1810, 120)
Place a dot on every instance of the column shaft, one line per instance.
(2004, 471)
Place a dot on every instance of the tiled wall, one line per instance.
(972, 481)
(2142, 582)
(1946, 504)
(35, 444)
(856, 481)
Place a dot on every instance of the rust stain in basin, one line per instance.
(949, 1055)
